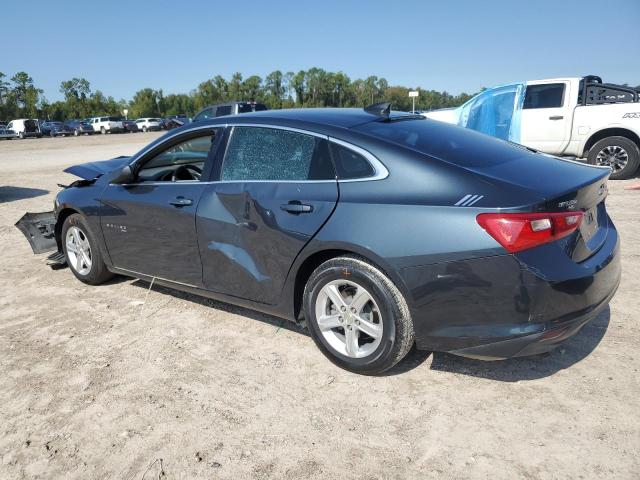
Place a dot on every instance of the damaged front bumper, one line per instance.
(39, 228)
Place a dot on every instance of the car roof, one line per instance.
(337, 117)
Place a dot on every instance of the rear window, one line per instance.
(224, 110)
(453, 144)
(544, 96)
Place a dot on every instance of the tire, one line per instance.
(95, 273)
(76, 133)
(144, 129)
(620, 153)
(103, 131)
(21, 135)
(385, 313)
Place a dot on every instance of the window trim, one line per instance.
(380, 171)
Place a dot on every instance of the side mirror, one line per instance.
(125, 175)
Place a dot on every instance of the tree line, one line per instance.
(20, 98)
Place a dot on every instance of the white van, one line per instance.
(25, 127)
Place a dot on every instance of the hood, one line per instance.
(91, 170)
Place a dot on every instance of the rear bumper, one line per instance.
(501, 307)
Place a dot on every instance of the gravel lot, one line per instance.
(118, 381)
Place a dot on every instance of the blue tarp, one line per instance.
(495, 111)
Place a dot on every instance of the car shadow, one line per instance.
(570, 352)
(11, 194)
(567, 354)
(225, 307)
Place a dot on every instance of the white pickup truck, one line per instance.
(577, 117)
(106, 124)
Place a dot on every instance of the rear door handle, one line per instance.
(181, 202)
(296, 207)
(556, 117)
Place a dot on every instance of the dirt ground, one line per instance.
(119, 381)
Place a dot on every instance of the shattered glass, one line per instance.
(256, 153)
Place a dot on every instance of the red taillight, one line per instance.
(519, 231)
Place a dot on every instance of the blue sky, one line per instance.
(122, 46)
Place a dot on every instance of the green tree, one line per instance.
(144, 104)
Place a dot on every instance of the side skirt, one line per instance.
(274, 310)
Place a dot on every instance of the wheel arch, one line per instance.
(63, 214)
(314, 259)
(610, 132)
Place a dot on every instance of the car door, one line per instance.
(546, 117)
(149, 225)
(276, 189)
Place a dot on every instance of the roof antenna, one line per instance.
(382, 109)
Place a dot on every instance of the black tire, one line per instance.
(629, 147)
(144, 129)
(397, 327)
(98, 273)
(103, 131)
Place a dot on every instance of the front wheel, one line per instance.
(82, 252)
(144, 129)
(619, 153)
(103, 131)
(356, 315)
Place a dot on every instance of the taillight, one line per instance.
(520, 231)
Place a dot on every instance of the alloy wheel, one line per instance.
(613, 156)
(349, 318)
(78, 250)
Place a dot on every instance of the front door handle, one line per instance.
(295, 207)
(181, 202)
(556, 117)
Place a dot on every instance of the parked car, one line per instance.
(229, 108)
(148, 124)
(130, 126)
(107, 125)
(576, 117)
(80, 127)
(25, 127)
(46, 126)
(180, 119)
(6, 133)
(172, 122)
(61, 129)
(301, 214)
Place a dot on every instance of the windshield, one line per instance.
(454, 144)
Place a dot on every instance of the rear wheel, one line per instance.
(619, 153)
(21, 135)
(356, 315)
(82, 252)
(103, 131)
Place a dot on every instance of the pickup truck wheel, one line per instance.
(82, 252)
(356, 315)
(619, 153)
(103, 131)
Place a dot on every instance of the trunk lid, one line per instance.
(565, 185)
